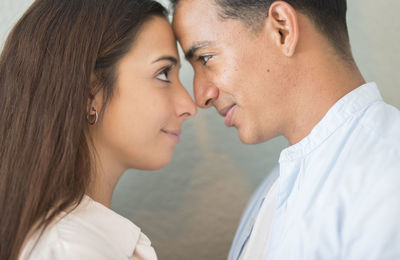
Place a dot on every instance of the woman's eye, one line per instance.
(204, 59)
(163, 75)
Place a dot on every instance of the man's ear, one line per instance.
(284, 26)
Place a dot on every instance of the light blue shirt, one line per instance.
(339, 188)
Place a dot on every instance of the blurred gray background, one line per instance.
(191, 208)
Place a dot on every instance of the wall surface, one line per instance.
(191, 208)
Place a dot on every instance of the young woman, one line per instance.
(88, 89)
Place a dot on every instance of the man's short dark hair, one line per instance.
(329, 16)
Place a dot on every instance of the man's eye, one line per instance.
(204, 59)
(163, 75)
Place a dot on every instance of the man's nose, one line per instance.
(205, 93)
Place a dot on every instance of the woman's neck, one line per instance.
(105, 178)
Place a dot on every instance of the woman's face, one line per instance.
(142, 123)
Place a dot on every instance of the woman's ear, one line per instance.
(95, 99)
(93, 108)
(284, 26)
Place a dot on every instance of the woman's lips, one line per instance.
(173, 134)
(229, 116)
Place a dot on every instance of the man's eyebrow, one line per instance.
(168, 58)
(195, 47)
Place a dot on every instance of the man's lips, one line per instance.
(227, 112)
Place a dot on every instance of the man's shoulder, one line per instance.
(382, 121)
(371, 140)
(372, 149)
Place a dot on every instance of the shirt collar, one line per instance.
(122, 232)
(347, 106)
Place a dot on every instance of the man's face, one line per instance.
(238, 71)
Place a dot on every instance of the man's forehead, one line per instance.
(196, 9)
(194, 19)
(191, 3)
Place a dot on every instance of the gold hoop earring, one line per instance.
(89, 117)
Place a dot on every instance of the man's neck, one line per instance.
(326, 82)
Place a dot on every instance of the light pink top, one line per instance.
(91, 231)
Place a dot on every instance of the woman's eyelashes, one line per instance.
(163, 75)
(204, 59)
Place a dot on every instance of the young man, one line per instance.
(285, 68)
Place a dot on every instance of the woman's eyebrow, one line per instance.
(168, 58)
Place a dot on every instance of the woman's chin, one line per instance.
(154, 164)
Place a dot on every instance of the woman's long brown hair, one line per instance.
(58, 55)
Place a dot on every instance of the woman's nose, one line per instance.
(185, 106)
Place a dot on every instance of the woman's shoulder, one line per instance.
(90, 231)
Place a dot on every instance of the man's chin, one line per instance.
(249, 137)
